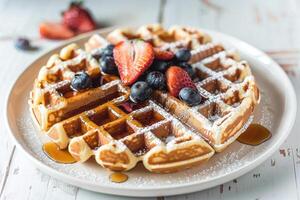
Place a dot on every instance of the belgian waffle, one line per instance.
(164, 133)
(119, 139)
(52, 99)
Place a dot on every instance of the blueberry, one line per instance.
(108, 50)
(156, 80)
(159, 65)
(183, 55)
(23, 44)
(188, 68)
(140, 91)
(190, 96)
(81, 81)
(108, 65)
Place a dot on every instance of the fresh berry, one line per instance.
(188, 68)
(133, 57)
(160, 65)
(81, 81)
(156, 80)
(163, 55)
(190, 96)
(108, 50)
(140, 91)
(22, 43)
(78, 18)
(178, 78)
(183, 55)
(108, 65)
(127, 106)
(54, 31)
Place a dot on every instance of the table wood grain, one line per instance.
(270, 25)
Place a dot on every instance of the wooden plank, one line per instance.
(265, 24)
(131, 12)
(275, 173)
(83, 194)
(31, 182)
(20, 173)
(272, 26)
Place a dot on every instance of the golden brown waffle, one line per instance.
(164, 133)
(119, 139)
(230, 96)
(175, 37)
(52, 98)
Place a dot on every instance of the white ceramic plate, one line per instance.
(277, 112)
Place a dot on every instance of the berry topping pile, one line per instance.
(75, 20)
(81, 81)
(145, 69)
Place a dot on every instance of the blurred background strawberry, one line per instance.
(76, 19)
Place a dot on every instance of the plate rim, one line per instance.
(290, 110)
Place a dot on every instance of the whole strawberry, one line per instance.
(178, 78)
(78, 18)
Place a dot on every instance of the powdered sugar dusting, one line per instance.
(232, 159)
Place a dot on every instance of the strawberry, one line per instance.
(51, 30)
(127, 106)
(177, 78)
(133, 57)
(78, 18)
(163, 54)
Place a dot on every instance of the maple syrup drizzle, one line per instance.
(56, 154)
(118, 177)
(255, 135)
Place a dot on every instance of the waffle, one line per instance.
(52, 99)
(164, 133)
(119, 140)
(175, 37)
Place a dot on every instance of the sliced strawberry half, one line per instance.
(178, 78)
(55, 31)
(163, 54)
(133, 57)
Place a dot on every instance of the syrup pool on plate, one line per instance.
(56, 154)
(255, 135)
(118, 177)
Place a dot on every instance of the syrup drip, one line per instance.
(56, 154)
(118, 177)
(255, 135)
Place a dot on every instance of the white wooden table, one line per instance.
(271, 25)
